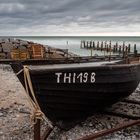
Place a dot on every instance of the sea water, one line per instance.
(72, 43)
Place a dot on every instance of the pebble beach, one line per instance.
(14, 107)
(15, 115)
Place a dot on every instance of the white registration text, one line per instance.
(83, 77)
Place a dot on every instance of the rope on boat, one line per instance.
(19, 72)
(37, 113)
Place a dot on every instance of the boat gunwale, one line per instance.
(37, 68)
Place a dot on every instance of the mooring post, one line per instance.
(37, 130)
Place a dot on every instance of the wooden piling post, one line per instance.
(91, 52)
(107, 48)
(120, 49)
(98, 45)
(93, 44)
(101, 45)
(114, 48)
(84, 44)
(123, 47)
(90, 44)
(129, 48)
(123, 44)
(81, 44)
(117, 44)
(104, 48)
(135, 50)
(135, 47)
(105, 45)
(123, 51)
(126, 51)
(109, 52)
(87, 44)
(37, 130)
(110, 44)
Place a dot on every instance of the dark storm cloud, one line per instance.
(29, 15)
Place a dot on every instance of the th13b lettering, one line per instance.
(82, 77)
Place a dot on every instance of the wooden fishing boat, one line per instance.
(77, 89)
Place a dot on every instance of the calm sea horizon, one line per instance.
(72, 43)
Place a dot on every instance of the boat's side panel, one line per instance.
(74, 92)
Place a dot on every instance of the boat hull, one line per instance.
(74, 91)
(61, 96)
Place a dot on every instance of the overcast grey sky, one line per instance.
(69, 17)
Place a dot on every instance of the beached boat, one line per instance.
(77, 89)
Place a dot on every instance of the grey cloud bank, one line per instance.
(69, 17)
